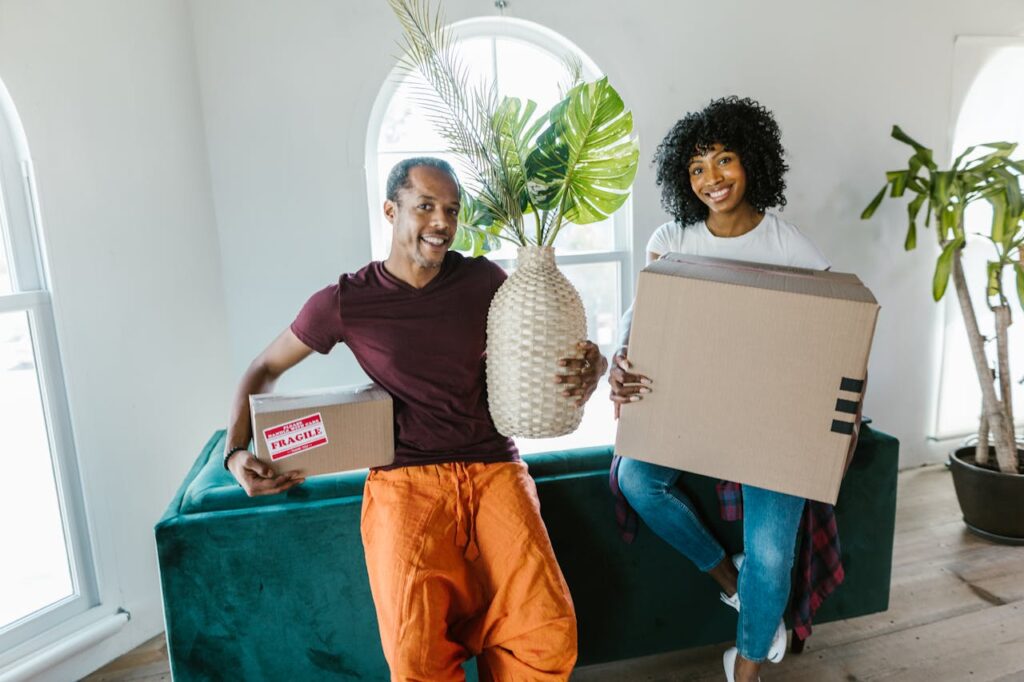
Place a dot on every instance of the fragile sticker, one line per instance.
(298, 435)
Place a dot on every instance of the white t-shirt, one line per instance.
(773, 241)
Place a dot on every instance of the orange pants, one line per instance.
(460, 565)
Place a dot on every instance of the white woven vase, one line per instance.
(536, 319)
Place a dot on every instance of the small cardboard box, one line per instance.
(757, 371)
(324, 431)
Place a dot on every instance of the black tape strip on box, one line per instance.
(847, 406)
(845, 428)
(851, 385)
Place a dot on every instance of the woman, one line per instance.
(720, 170)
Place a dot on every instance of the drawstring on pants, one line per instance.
(465, 528)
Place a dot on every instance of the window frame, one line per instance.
(21, 230)
(553, 43)
(543, 38)
(971, 55)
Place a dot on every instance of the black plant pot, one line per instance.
(992, 502)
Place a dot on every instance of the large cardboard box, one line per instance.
(757, 371)
(324, 431)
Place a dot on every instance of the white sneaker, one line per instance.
(729, 663)
(734, 600)
(777, 651)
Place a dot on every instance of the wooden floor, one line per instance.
(956, 613)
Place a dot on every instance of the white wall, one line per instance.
(108, 97)
(175, 141)
(287, 91)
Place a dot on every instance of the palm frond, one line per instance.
(574, 73)
(578, 169)
(461, 112)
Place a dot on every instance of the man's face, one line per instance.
(424, 217)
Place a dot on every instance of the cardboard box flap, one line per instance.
(301, 400)
(822, 283)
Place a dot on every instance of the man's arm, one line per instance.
(257, 477)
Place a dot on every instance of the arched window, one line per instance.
(526, 60)
(989, 111)
(46, 574)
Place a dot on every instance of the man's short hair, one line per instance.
(398, 178)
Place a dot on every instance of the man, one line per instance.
(460, 563)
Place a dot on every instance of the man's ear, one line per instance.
(389, 210)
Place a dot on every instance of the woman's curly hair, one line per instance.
(740, 125)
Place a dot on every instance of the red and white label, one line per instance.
(290, 438)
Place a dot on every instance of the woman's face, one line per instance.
(718, 179)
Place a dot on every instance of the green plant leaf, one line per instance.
(585, 161)
(1014, 201)
(473, 212)
(513, 134)
(460, 111)
(993, 285)
(898, 180)
(947, 222)
(1002, 148)
(942, 269)
(476, 233)
(998, 202)
(910, 243)
(922, 153)
(1020, 282)
(964, 155)
(463, 241)
(913, 208)
(942, 184)
(873, 206)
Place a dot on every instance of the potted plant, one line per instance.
(529, 174)
(991, 494)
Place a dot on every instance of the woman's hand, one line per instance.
(582, 374)
(627, 387)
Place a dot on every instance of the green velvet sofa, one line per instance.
(275, 588)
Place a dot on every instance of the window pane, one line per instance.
(35, 570)
(406, 127)
(523, 70)
(582, 238)
(528, 72)
(598, 284)
(597, 428)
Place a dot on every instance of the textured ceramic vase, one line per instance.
(535, 319)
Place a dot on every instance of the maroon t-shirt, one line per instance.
(425, 347)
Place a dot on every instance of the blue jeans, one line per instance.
(770, 524)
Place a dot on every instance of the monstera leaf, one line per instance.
(513, 134)
(477, 233)
(584, 162)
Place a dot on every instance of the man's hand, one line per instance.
(582, 374)
(626, 386)
(257, 478)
